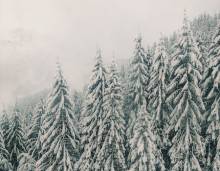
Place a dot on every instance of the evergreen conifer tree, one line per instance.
(185, 94)
(111, 157)
(5, 126)
(93, 115)
(15, 138)
(138, 82)
(139, 76)
(157, 99)
(60, 139)
(211, 93)
(5, 164)
(35, 131)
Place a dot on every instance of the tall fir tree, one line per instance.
(35, 131)
(185, 94)
(5, 126)
(124, 75)
(138, 82)
(111, 157)
(93, 115)
(60, 139)
(15, 138)
(5, 164)
(139, 76)
(157, 99)
(143, 154)
(211, 93)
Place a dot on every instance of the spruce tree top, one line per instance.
(98, 77)
(60, 103)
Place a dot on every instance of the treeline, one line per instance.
(161, 112)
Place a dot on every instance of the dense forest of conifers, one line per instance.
(159, 112)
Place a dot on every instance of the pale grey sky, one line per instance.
(33, 33)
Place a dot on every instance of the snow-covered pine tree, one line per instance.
(185, 94)
(150, 51)
(157, 98)
(124, 75)
(35, 131)
(111, 157)
(26, 162)
(138, 82)
(5, 126)
(15, 140)
(5, 164)
(143, 153)
(139, 76)
(211, 93)
(60, 139)
(93, 115)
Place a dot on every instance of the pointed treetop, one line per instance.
(138, 39)
(139, 36)
(185, 23)
(185, 20)
(113, 61)
(99, 53)
(16, 108)
(161, 36)
(99, 56)
(161, 41)
(59, 70)
(113, 65)
(160, 48)
(113, 56)
(99, 62)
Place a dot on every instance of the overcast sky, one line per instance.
(33, 33)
